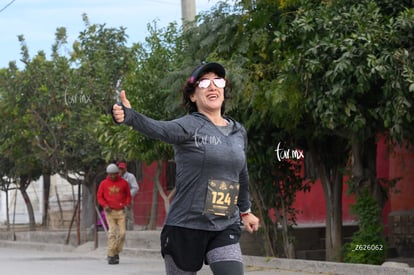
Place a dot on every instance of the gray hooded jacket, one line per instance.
(202, 153)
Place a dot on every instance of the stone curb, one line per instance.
(251, 262)
(37, 246)
(317, 267)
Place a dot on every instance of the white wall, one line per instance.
(59, 189)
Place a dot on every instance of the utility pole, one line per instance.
(188, 11)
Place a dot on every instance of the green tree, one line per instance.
(19, 166)
(56, 104)
(321, 73)
(100, 57)
(148, 88)
(347, 62)
(273, 183)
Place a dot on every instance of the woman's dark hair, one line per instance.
(189, 89)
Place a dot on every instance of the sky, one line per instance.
(37, 20)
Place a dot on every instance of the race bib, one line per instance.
(221, 199)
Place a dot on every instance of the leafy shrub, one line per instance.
(367, 245)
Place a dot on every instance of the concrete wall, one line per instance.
(61, 203)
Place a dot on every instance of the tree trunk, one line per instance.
(46, 193)
(60, 206)
(364, 171)
(163, 194)
(269, 234)
(88, 205)
(332, 183)
(78, 214)
(152, 224)
(333, 197)
(29, 206)
(288, 247)
(7, 207)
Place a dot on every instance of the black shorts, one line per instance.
(188, 247)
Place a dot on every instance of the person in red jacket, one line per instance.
(114, 196)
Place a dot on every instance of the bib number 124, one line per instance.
(221, 197)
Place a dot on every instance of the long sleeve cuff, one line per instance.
(245, 212)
